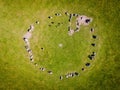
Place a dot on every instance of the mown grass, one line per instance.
(17, 73)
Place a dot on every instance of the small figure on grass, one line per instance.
(50, 72)
(94, 36)
(87, 64)
(93, 44)
(61, 77)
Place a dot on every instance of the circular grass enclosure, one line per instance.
(55, 50)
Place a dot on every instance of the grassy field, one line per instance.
(18, 73)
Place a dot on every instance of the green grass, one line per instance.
(17, 73)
